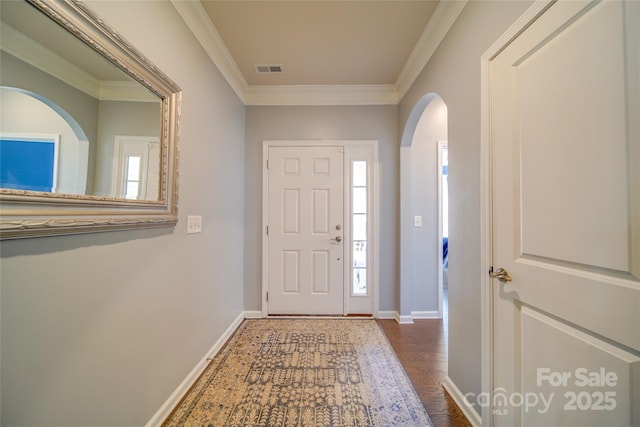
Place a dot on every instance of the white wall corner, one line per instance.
(175, 397)
(463, 403)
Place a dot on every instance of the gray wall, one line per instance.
(454, 73)
(121, 118)
(99, 329)
(304, 123)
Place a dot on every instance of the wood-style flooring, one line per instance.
(422, 350)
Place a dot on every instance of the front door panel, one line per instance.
(305, 266)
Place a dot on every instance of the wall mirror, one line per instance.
(88, 126)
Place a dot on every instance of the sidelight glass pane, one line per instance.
(359, 174)
(359, 254)
(359, 227)
(132, 190)
(359, 281)
(132, 185)
(360, 200)
(359, 235)
(133, 168)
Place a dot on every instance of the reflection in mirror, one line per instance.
(70, 121)
(88, 126)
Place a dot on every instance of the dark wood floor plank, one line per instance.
(422, 349)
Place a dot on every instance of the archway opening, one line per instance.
(422, 250)
(36, 129)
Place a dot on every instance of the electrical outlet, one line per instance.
(194, 224)
(417, 221)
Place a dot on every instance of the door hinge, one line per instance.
(267, 163)
(267, 230)
(267, 296)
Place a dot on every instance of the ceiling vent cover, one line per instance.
(265, 68)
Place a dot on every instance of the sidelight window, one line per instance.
(359, 212)
(132, 184)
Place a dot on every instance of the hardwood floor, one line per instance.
(422, 350)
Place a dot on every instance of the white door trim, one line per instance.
(121, 143)
(374, 246)
(486, 243)
(440, 146)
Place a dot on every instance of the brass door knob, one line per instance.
(501, 274)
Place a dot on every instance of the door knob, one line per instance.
(501, 274)
(338, 239)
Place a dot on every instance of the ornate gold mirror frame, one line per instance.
(25, 213)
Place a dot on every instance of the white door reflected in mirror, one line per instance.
(136, 168)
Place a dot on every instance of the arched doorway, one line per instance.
(48, 146)
(421, 249)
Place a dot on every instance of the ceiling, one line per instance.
(330, 52)
(320, 42)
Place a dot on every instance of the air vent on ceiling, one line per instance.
(264, 68)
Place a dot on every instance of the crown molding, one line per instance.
(25, 49)
(322, 95)
(194, 15)
(203, 29)
(437, 28)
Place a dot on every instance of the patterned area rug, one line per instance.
(303, 372)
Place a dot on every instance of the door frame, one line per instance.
(441, 145)
(372, 273)
(486, 200)
(118, 179)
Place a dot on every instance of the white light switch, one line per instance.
(194, 224)
(417, 221)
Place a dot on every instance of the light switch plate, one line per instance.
(417, 221)
(194, 224)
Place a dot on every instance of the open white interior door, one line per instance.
(565, 162)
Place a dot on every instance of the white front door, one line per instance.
(565, 161)
(305, 230)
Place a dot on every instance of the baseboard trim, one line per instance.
(255, 314)
(195, 373)
(389, 314)
(433, 314)
(457, 396)
(406, 319)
